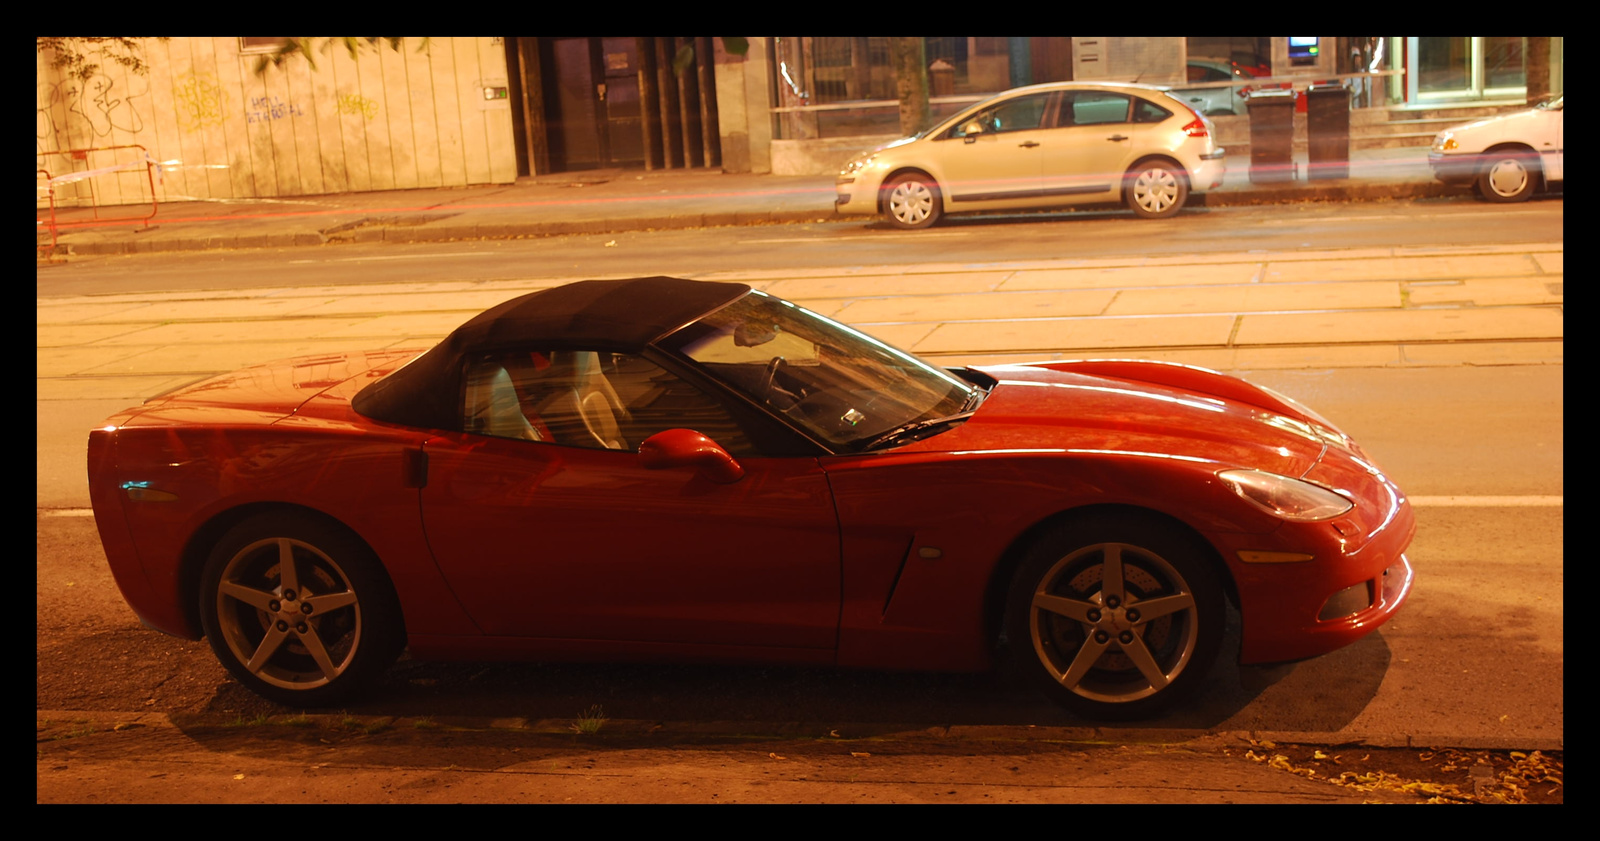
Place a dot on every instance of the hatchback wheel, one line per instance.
(1155, 190)
(912, 201)
(1509, 177)
(1116, 618)
(299, 610)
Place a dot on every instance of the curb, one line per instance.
(768, 731)
(380, 229)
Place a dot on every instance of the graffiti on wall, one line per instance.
(93, 107)
(355, 103)
(265, 108)
(108, 104)
(200, 101)
(49, 96)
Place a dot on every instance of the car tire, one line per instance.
(1092, 648)
(1508, 176)
(912, 201)
(1155, 190)
(315, 638)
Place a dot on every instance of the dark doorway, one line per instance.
(591, 88)
(599, 103)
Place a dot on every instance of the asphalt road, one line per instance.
(974, 241)
(1475, 660)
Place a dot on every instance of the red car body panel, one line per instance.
(550, 541)
(504, 549)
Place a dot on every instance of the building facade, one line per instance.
(203, 124)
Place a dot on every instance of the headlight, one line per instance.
(854, 166)
(1285, 498)
(1445, 142)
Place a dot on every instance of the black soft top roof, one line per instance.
(616, 315)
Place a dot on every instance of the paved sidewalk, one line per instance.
(608, 201)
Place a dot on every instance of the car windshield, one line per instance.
(839, 386)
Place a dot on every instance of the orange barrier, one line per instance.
(50, 185)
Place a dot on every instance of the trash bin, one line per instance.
(1328, 131)
(942, 78)
(1271, 135)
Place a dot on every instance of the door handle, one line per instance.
(1116, 137)
(1028, 145)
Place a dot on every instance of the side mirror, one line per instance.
(971, 130)
(687, 448)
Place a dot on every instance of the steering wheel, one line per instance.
(769, 380)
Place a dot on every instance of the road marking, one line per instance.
(870, 235)
(400, 257)
(1487, 501)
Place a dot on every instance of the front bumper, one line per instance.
(1357, 579)
(856, 196)
(1454, 169)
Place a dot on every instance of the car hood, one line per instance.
(1033, 408)
(1517, 123)
(882, 146)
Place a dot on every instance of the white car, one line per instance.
(1038, 147)
(1508, 157)
(1216, 101)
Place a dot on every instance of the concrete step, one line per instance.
(1241, 150)
(1371, 128)
(1458, 113)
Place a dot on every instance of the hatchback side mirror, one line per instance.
(687, 448)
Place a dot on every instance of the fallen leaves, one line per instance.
(1434, 776)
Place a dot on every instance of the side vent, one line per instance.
(414, 469)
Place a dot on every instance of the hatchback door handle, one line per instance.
(1116, 137)
(1029, 145)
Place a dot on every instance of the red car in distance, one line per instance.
(663, 469)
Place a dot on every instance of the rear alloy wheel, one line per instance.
(1508, 177)
(1155, 190)
(299, 610)
(1115, 618)
(912, 201)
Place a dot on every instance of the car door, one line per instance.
(994, 159)
(546, 524)
(1089, 148)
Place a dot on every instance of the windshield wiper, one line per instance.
(908, 429)
(974, 400)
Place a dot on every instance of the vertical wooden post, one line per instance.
(671, 132)
(537, 129)
(710, 128)
(649, 108)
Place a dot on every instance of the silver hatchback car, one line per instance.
(1039, 147)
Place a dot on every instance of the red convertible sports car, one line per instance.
(673, 470)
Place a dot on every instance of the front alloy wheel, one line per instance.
(299, 610)
(911, 201)
(1117, 621)
(1156, 190)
